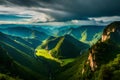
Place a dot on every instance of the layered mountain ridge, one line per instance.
(61, 57)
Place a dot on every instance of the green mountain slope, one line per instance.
(63, 47)
(101, 62)
(23, 64)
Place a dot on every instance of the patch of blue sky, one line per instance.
(12, 17)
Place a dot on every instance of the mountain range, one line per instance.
(31, 53)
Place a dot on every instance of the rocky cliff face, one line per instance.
(105, 47)
(111, 32)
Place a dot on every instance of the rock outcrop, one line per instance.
(110, 36)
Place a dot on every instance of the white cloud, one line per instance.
(15, 22)
(26, 12)
(38, 17)
(72, 22)
(82, 22)
(106, 19)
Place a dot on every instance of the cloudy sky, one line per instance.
(52, 11)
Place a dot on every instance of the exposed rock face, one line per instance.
(92, 62)
(111, 33)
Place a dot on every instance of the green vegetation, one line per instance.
(7, 77)
(107, 64)
(72, 71)
(25, 67)
(103, 49)
(96, 37)
(67, 61)
(110, 71)
(55, 50)
(83, 36)
(46, 54)
(63, 47)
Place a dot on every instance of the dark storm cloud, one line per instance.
(71, 9)
(28, 3)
